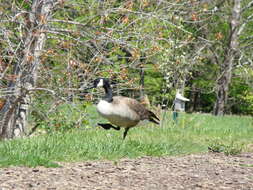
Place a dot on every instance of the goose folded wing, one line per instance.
(141, 110)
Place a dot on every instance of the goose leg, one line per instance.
(108, 126)
(105, 126)
(125, 133)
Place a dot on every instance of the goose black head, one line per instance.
(104, 83)
(101, 82)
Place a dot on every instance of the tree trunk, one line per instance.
(194, 97)
(142, 74)
(226, 69)
(13, 115)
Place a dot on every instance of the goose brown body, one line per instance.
(123, 111)
(120, 110)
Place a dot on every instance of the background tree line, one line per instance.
(50, 50)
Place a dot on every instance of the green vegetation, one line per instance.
(194, 133)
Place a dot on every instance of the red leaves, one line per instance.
(129, 5)
(218, 36)
(2, 102)
(194, 16)
(125, 19)
(135, 54)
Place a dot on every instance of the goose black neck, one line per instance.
(108, 93)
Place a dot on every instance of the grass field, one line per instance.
(194, 133)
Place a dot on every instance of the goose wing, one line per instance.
(137, 107)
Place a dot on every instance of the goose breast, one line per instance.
(118, 112)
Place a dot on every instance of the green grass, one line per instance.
(246, 165)
(194, 133)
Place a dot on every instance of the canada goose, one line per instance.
(119, 110)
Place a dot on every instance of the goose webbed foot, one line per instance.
(108, 126)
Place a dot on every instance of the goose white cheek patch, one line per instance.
(101, 83)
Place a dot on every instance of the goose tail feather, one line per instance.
(153, 118)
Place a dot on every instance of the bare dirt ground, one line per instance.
(201, 171)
